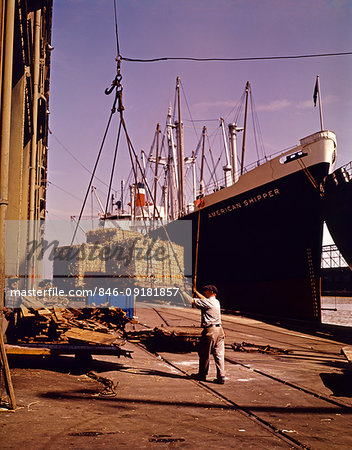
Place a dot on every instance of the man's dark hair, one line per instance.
(210, 287)
(44, 282)
(12, 280)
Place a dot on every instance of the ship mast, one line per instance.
(172, 167)
(180, 148)
(122, 194)
(227, 168)
(194, 176)
(156, 167)
(317, 93)
(201, 187)
(233, 128)
(245, 128)
(94, 191)
(144, 165)
(165, 195)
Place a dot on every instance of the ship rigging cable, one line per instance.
(75, 158)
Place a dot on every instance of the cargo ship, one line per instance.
(257, 233)
(260, 239)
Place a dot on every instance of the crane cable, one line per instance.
(118, 99)
(132, 151)
(116, 30)
(112, 169)
(250, 58)
(112, 112)
(116, 84)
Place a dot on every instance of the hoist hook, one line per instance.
(117, 80)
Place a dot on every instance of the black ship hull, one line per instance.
(260, 240)
(264, 255)
(337, 210)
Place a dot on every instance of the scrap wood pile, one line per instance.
(167, 338)
(88, 326)
(247, 347)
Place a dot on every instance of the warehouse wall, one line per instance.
(23, 142)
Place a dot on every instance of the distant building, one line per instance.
(25, 53)
(336, 276)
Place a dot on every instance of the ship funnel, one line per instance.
(140, 194)
(138, 200)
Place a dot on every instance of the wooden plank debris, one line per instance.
(21, 350)
(172, 339)
(4, 366)
(94, 337)
(26, 313)
(347, 352)
(45, 331)
(248, 347)
(36, 349)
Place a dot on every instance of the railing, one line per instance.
(220, 184)
(348, 168)
(331, 257)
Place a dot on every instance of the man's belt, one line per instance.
(212, 325)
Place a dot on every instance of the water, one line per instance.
(339, 310)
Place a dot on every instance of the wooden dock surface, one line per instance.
(299, 395)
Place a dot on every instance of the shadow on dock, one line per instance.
(340, 384)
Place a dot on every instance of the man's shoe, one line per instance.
(198, 377)
(220, 380)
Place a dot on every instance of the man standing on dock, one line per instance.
(213, 337)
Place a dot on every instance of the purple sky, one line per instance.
(83, 65)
